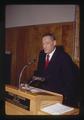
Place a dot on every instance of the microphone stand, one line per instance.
(21, 74)
(27, 65)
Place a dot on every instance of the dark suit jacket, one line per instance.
(61, 75)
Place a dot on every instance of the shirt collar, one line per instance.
(51, 54)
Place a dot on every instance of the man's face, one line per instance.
(48, 44)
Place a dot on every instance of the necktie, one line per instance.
(46, 61)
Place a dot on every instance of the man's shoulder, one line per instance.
(60, 50)
(62, 53)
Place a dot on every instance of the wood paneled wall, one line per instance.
(24, 43)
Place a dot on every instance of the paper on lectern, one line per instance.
(33, 89)
(57, 109)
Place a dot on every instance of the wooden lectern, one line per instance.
(31, 102)
(25, 102)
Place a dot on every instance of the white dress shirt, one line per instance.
(51, 54)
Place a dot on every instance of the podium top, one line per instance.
(31, 92)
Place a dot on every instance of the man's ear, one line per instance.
(54, 42)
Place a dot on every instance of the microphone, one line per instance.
(24, 67)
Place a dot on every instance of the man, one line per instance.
(61, 74)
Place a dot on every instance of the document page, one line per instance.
(57, 109)
(32, 89)
(35, 90)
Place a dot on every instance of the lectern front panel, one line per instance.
(17, 100)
